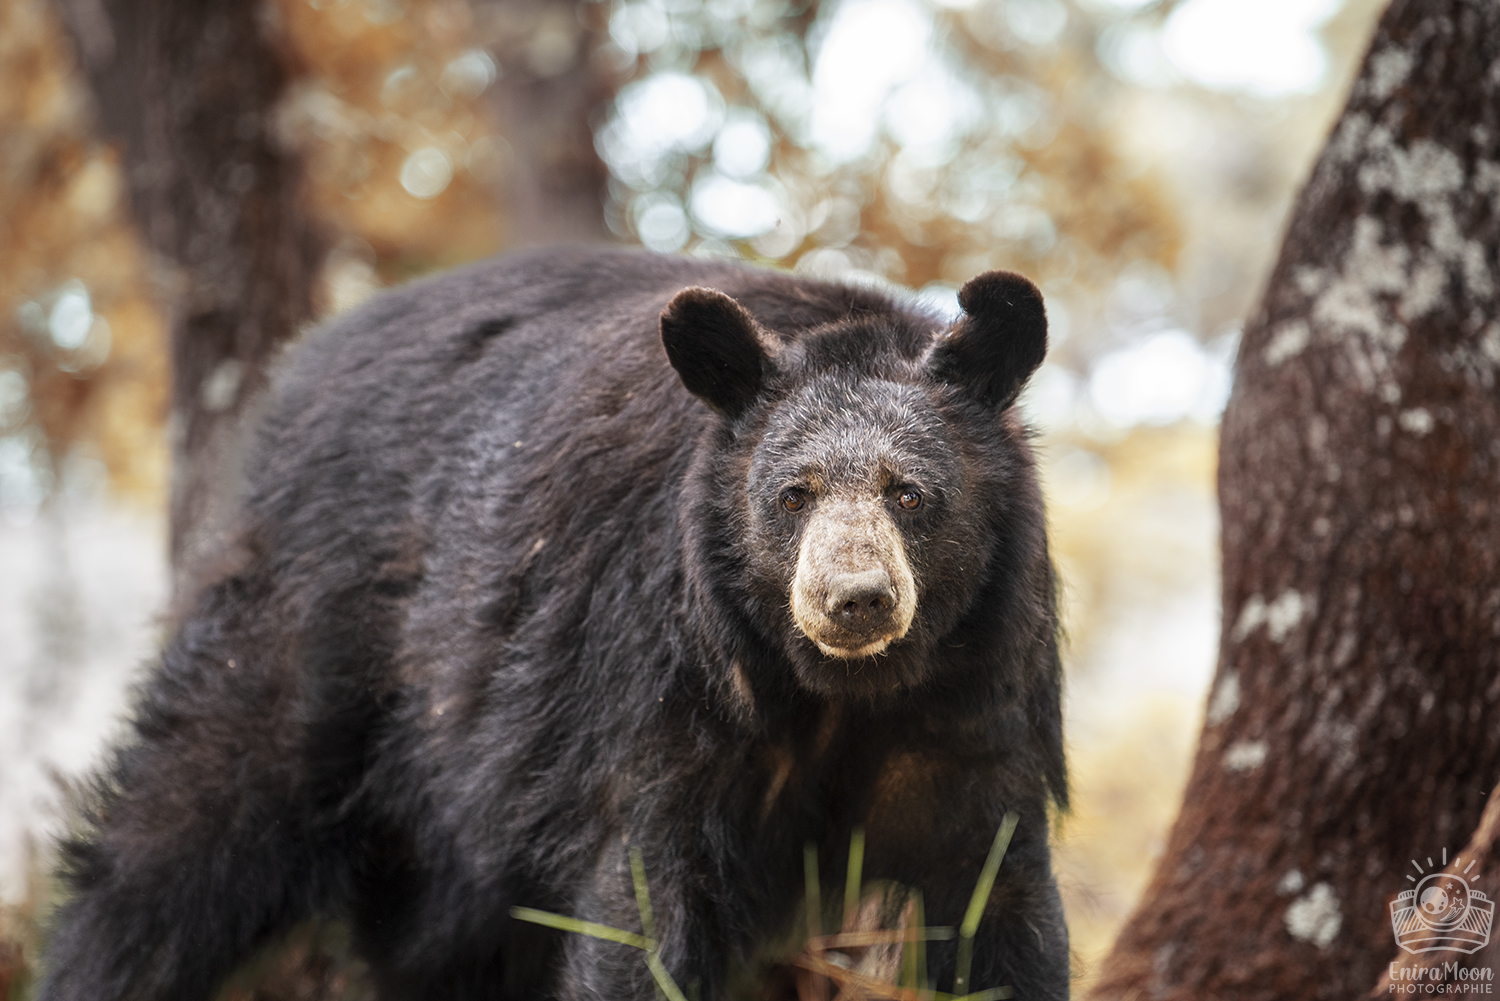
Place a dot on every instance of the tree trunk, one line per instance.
(1353, 725)
(551, 86)
(188, 88)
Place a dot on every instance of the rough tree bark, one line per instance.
(1354, 723)
(188, 88)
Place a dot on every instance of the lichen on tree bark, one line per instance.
(1354, 721)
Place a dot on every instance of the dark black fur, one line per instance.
(507, 600)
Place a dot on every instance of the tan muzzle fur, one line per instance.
(853, 593)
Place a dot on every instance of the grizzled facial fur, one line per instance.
(850, 498)
(867, 504)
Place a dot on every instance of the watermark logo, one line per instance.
(1442, 910)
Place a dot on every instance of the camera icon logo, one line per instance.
(1443, 911)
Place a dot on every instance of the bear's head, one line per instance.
(869, 499)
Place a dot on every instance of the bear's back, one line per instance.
(409, 379)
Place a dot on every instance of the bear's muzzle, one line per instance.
(853, 593)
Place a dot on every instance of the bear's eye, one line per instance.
(910, 499)
(793, 499)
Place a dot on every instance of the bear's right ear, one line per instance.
(1000, 340)
(716, 348)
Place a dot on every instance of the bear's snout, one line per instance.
(861, 602)
(853, 594)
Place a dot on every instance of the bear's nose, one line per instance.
(861, 602)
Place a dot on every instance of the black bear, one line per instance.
(586, 549)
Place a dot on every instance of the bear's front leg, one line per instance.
(682, 925)
(1021, 941)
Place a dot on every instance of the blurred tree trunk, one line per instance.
(188, 88)
(13, 971)
(1354, 724)
(550, 86)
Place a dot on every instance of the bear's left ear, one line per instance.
(716, 348)
(999, 341)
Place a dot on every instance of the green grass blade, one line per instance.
(979, 899)
(908, 978)
(919, 947)
(987, 876)
(589, 928)
(642, 895)
(648, 920)
(851, 881)
(992, 994)
(664, 981)
(965, 960)
(814, 892)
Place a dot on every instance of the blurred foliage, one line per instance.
(992, 143)
(81, 356)
(402, 158)
(21, 938)
(1160, 482)
(1128, 779)
(1133, 533)
(910, 141)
